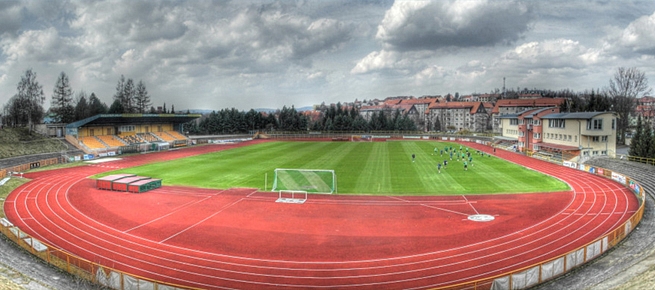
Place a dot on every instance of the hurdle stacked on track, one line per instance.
(128, 182)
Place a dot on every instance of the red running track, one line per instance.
(242, 239)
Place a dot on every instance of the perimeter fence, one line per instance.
(517, 279)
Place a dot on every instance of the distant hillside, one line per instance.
(18, 142)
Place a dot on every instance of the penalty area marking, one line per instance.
(481, 218)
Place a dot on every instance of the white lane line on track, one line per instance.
(175, 210)
(202, 221)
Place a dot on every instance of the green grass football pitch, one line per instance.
(383, 168)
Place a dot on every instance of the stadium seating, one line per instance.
(149, 137)
(177, 135)
(111, 140)
(165, 136)
(131, 139)
(92, 143)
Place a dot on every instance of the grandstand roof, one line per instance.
(122, 119)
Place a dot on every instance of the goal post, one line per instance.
(309, 180)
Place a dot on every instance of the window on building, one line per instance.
(595, 139)
(613, 124)
(128, 128)
(595, 152)
(537, 136)
(556, 123)
(569, 138)
(603, 139)
(595, 124)
(513, 121)
(603, 152)
(575, 138)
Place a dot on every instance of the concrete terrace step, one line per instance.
(612, 269)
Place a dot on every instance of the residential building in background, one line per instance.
(514, 106)
(569, 135)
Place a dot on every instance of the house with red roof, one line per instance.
(414, 108)
(569, 136)
(514, 106)
(457, 116)
(646, 109)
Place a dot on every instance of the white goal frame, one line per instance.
(332, 187)
(297, 196)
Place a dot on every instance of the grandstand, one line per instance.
(105, 133)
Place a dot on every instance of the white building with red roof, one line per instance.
(514, 106)
(457, 116)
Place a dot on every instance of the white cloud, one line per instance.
(376, 60)
(548, 54)
(274, 52)
(640, 35)
(40, 45)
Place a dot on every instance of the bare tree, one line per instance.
(626, 85)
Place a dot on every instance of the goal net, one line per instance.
(361, 138)
(309, 180)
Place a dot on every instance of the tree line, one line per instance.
(330, 118)
(25, 108)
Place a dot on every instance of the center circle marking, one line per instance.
(481, 218)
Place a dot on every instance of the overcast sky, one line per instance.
(267, 54)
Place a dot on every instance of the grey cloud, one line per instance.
(266, 37)
(10, 17)
(412, 26)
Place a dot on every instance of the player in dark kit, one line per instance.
(445, 164)
(413, 157)
(439, 167)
